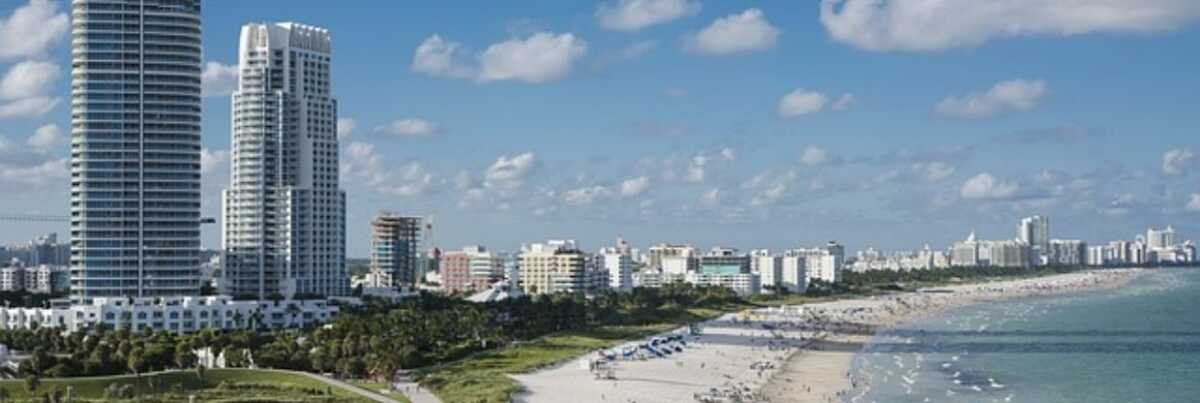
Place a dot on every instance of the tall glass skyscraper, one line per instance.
(135, 148)
(284, 215)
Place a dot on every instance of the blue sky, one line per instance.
(752, 124)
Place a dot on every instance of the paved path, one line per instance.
(416, 393)
(360, 391)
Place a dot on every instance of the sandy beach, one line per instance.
(781, 354)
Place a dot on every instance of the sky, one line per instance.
(877, 123)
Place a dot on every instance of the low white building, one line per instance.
(619, 266)
(176, 314)
(743, 284)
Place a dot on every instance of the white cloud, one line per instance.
(844, 102)
(1177, 161)
(711, 197)
(633, 15)
(540, 58)
(1194, 204)
(32, 29)
(635, 186)
(211, 161)
(728, 154)
(801, 102)
(218, 79)
(934, 171)
(813, 155)
(745, 32)
(28, 79)
(366, 167)
(986, 187)
(748, 31)
(45, 138)
(1011, 95)
(696, 171)
(439, 57)
(28, 107)
(586, 195)
(24, 89)
(345, 127)
(410, 127)
(510, 171)
(923, 25)
(770, 194)
(50, 171)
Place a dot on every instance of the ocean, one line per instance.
(1138, 343)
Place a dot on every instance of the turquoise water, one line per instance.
(1139, 343)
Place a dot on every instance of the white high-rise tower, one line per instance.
(284, 215)
(135, 148)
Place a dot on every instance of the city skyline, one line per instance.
(869, 137)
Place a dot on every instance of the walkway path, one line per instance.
(416, 393)
(360, 391)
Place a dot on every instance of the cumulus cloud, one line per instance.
(634, 15)
(212, 160)
(218, 79)
(45, 138)
(813, 156)
(365, 165)
(986, 187)
(921, 25)
(801, 102)
(935, 171)
(437, 56)
(1177, 161)
(728, 154)
(28, 107)
(48, 172)
(410, 127)
(345, 127)
(27, 79)
(745, 32)
(32, 29)
(24, 89)
(1194, 204)
(586, 195)
(510, 171)
(539, 58)
(635, 186)
(1011, 95)
(711, 197)
(542, 57)
(637, 49)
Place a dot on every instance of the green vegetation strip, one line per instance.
(239, 385)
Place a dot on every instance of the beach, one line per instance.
(780, 354)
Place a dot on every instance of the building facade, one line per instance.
(559, 266)
(284, 214)
(471, 269)
(619, 266)
(135, 149)
(396, 249)
(175, 314)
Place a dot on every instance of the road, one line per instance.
(360, 391)
(416, 393)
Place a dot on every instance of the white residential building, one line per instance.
(284, 214)
(135, 148)
(743, 284)
(794, 273)
(176, 314)
(768, 268)
(619, 266)
(824, 263)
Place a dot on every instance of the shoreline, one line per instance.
(797, 353)
(827, 373)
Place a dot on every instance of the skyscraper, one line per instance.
(1035, 231)
(135, 149)
(396, 249)
(284, 214)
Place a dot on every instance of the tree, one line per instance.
(184, 357)
(200, 370)
(32, 383)
(4, 395)
(136, 361)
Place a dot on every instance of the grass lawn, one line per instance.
(483, 378)
(252, 386)
(377, 387)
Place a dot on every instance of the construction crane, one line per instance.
(63, 218)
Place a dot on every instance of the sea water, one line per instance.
(1137, 343)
